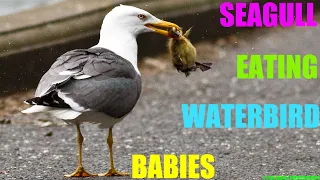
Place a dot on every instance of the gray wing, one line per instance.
(115, 97)
(73, 64)
(93, 79)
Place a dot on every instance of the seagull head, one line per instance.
(123, 24)
(136, 21)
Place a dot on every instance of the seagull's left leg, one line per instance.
(79, 172)
(112, 171)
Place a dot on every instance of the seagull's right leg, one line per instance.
(80, 172)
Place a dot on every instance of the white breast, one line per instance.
(98, 118)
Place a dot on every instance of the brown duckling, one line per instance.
(183, 53)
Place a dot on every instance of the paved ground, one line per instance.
(155, 125)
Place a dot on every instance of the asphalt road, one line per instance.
(155, 125)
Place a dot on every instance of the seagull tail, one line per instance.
(60, 113)
(36, 109)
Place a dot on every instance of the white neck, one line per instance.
(120, 42)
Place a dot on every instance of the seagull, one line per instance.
(99, 85)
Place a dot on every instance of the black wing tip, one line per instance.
(52, 99)
(32, 101)
(26, 102)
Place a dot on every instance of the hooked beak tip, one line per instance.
(162, 27)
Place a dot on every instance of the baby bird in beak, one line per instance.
(183, 53)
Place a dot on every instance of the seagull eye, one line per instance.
(141, 16)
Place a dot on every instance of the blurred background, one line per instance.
(33, 33)
(13, 6)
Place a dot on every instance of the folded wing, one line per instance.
(90, 80)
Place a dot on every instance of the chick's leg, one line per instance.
(112, 171)
(80, 172)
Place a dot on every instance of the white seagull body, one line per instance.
(101, 84)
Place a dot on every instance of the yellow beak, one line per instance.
(164, 25)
